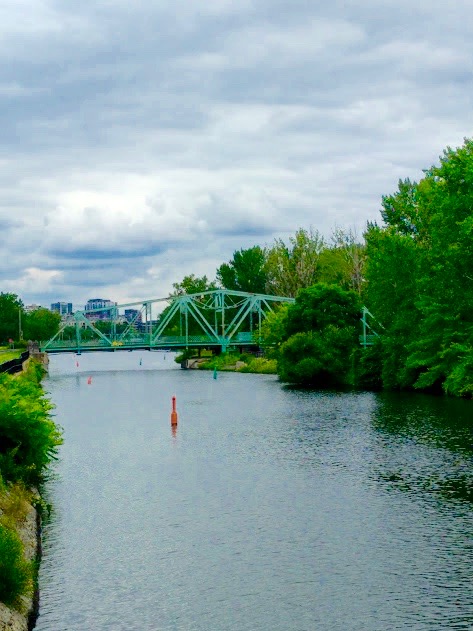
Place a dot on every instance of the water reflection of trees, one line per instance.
(426, 444)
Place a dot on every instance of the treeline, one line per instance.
(419, 279)
(284, 268)
(17, 324)
(413, 271)
(28, 442)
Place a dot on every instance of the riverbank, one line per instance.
(22, 616)
(227, 362)
(28, 442)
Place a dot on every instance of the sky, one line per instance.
(145, 140)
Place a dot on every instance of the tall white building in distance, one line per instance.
(99, 303)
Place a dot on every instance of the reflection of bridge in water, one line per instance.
(213, 319)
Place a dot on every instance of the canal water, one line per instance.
(269, 508)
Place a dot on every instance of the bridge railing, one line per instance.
(164, 341)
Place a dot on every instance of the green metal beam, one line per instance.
(168, 317)
(240, 316)
(201, 320)
(196, 306)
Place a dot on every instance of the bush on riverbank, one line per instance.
(29, 440)
(16, 574)
(15, 571)
(28, 437)
(244, 362)
(319, 335)
(260, 365)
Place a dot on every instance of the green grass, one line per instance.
(6, 355)
(261, 365)
(29, 438)
(227, 362)
(15, 571)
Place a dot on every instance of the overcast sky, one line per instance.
(143, 140)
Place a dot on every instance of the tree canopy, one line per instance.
(420, 278)
(245, 271)
(41, 324)
(193, 284)
(294, 265)
(321, 334)
(11, 309)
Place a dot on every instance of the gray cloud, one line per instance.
(144, 141)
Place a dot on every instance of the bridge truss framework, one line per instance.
(220, 316)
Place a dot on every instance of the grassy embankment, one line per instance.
(6, 353)
(28, 442)
(233, 362)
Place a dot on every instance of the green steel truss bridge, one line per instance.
(212, 319)
(218, 320)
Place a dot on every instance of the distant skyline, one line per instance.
(144, 141)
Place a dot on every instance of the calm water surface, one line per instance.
(269, 509)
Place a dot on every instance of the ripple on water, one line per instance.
(271, 508)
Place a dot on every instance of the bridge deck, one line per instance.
(176, 342)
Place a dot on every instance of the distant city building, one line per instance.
(133, 315)
(30, 308)
(99, 303)
(63, 308)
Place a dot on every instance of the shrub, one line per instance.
(369, 367)
(28, 437)
(316, 358)
(15, 571)
(15, 502)
(260, 365)
(220, 361)
(189, 353)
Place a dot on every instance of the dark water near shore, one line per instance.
(270, 509)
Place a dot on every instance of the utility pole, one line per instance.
(20, 332)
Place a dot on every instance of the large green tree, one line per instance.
(343, 261)
(245, 271)
(193, 284)
(442, 353)
(294, 265)
(11, 314)
(41, 324)
(321, 332)
(420, 279)
(392, 295)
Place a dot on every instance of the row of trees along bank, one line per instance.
(16, 323)
(414, 272)
(29, 440)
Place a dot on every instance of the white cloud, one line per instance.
(144, 141)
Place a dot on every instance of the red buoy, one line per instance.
(174, 412)
(89, 380)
